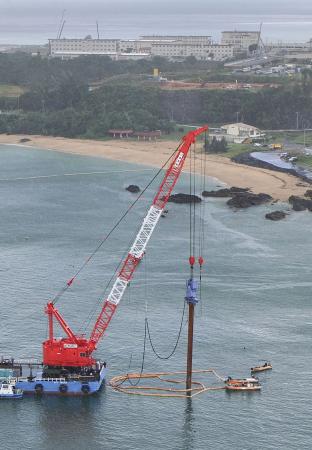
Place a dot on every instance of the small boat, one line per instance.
(9, 390)
(244, 384)
(262, 368)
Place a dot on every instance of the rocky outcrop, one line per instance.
(226, 192)
(299, 203)
(184, 198)
(276, 215)
(247, 199)
(240, 197)
(133, 188)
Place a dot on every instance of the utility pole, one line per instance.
(237, 116)
(305, 136)
(191, 299)
(297, 114)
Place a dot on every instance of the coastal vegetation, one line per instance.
(87, 96)
(216, 146)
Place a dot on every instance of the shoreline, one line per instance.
(277, 184)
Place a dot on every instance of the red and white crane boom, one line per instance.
(76, 351)
(137, 250)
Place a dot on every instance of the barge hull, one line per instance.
(55, 386)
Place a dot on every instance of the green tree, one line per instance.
(216, 145)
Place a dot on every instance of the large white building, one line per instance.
(140, 45)
(114, 48)
(60, 47)
(239, 132)
(179, 47)
(240, 40)
(181, 50)
(288, 47)
(172, 47)
(190, 39)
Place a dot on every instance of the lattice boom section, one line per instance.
(170, 178)
(135, 255)
(166, 189)
(117, 291)
(102, 322)
(145, 232)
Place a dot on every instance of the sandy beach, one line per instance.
(279, 185)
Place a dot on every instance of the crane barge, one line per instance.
(68, 365)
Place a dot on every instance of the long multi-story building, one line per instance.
(288, 47)
(190, 39)
(137, 45)
(59, 47)
(114, 48)
(172, 47)
(181, 50)
(240, 40)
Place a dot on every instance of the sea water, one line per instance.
(23, 28)
(255, 305)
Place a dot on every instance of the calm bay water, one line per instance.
(21, 29)
(256, 294)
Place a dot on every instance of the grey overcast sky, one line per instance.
(88, 7)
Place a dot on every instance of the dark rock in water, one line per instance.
(276, 215)
(184, 198)
(226, 192)
(24, 140)
(247, 199)
(133, 188)
(308, 193)
(299, 203)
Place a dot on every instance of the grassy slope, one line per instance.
(305, 161)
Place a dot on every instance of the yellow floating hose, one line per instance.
(117, 384)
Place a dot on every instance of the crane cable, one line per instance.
(147, 332)
(192, 244)
(192, 215)
(177, 340)
(86, 262)
(117, 382)
(202, 213)
(192, 251)
(194, 193)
